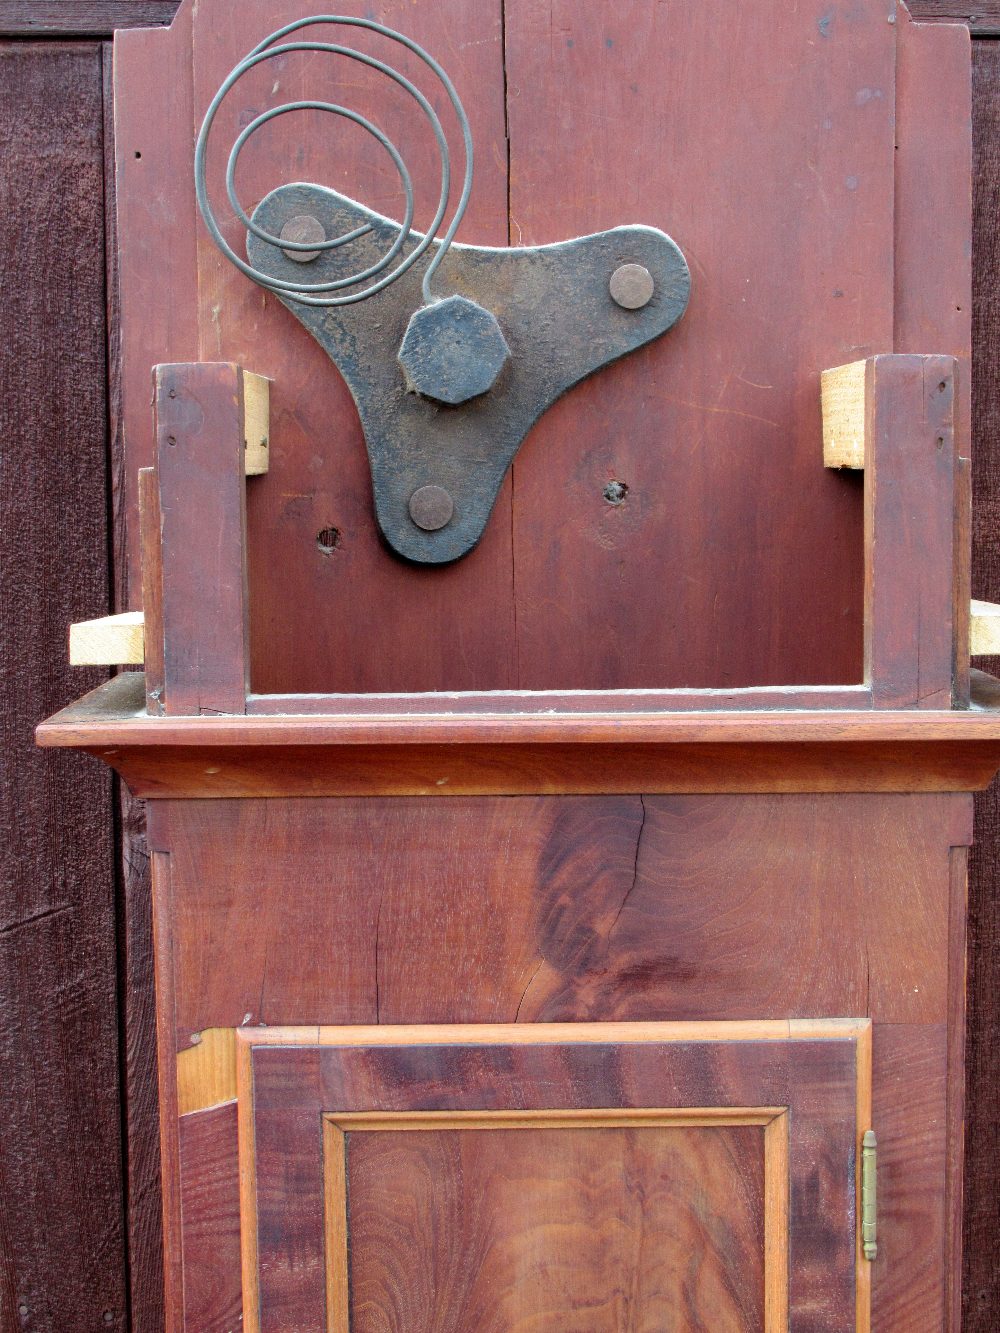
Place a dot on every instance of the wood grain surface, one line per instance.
(210, 1208)
(61, 1209)
(910, 541)
(934, 301)
(640, 1229)
(202, 492)
(982, 1236)
(699, 425)
(817, 1079)
(566, 908)
(80, 18)
(983, 1268)
(738, 422)
(981, 16)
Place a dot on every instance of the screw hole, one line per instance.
(615, 492)
(171, 439)
(138, 154)
(328, 539)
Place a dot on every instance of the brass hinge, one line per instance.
(869, 1149)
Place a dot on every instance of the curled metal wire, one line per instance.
(331, 293)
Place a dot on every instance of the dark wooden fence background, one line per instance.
(79, 1188)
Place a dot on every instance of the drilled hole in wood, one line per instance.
(615, 492)
(328, 539)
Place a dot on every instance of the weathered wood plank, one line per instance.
(61, 1218)
(982, 1236)
(981, 16)
(81, 18)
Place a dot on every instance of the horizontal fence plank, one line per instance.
(983, 19)
(81, 18)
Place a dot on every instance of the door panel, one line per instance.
(552, 1222)
(586, 1176)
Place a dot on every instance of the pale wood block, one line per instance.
(842, 393)
(256, 422)
(984, 630)
(109, 641)
(206, 1070)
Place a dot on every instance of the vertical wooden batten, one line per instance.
(910, 473)
(200, 443)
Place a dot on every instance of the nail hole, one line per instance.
(138, 154)
(328, 539)
(171, 439)
(942, 386)
(940, 441)
(615, 492)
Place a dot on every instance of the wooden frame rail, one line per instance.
(892, 415)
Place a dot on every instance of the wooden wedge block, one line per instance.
(108, 641)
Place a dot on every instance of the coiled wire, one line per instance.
(331, 293)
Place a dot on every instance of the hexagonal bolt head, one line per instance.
(452, 351)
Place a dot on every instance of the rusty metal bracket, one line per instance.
(452, 352)
(448, 406)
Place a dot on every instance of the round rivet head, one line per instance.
(431, 507)
(631, 286)
(299, 230)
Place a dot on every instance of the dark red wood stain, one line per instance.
(982, 1239)
(816, 1080)
(61, 1202)
(210, 1207)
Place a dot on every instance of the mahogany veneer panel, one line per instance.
(809, 1092)
(209, 1187)
(559, 908)
(537, 1222)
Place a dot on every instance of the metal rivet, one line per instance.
(431, 507)
(631, 286)
(299, 229)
